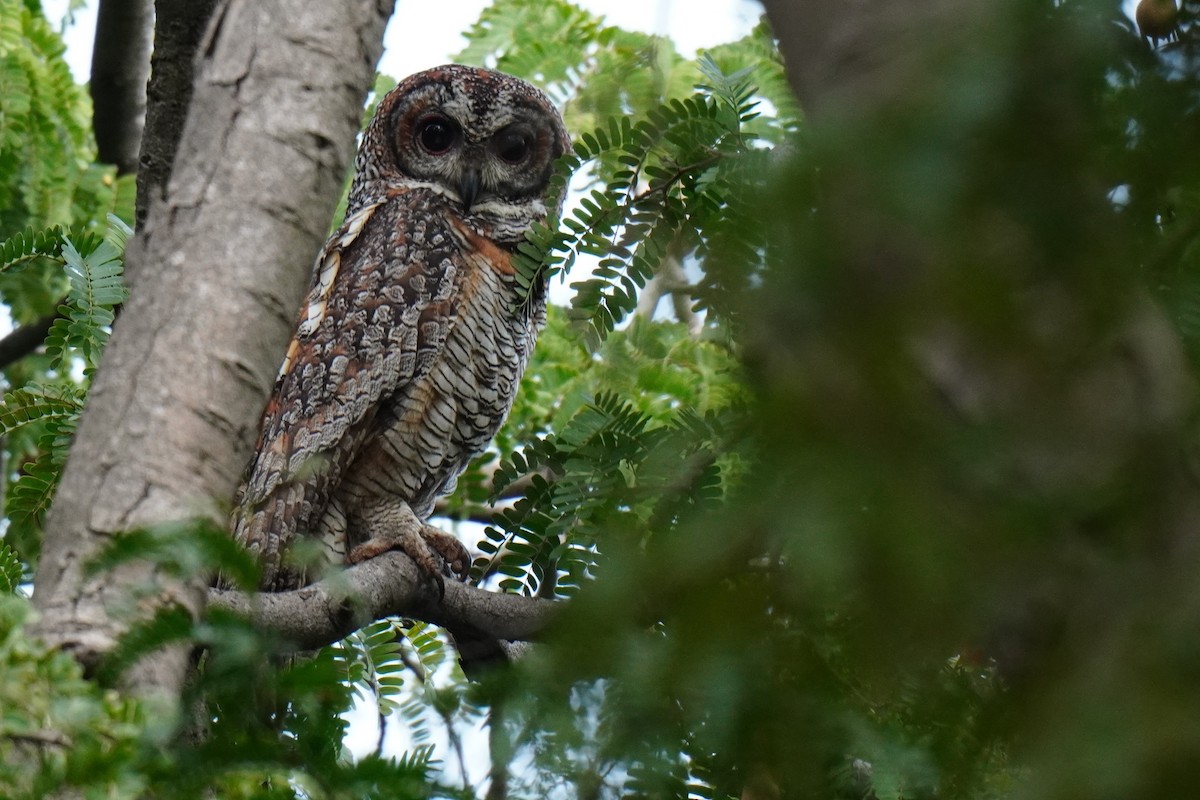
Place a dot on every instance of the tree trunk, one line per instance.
(217, 272)
(120, 67)
(179, 26)
(852, 55)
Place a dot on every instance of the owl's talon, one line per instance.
(433, 551)
(455, 557)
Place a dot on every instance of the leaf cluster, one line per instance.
(48, 172)
(665, 191)
(911, 594)
(58, 728)
(61, 242)
(607, 472)
(53, 411)
(95, 289)
(38, 419)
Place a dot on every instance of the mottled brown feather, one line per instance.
(410, 344)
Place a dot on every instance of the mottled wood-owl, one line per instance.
(411, 342)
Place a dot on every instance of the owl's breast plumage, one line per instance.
(425, 433)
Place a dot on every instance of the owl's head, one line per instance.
(481, 138)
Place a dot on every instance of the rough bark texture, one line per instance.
(218, 270)
(120, 68)
(388, 585)
(179, 26)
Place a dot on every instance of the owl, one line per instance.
(410, 344)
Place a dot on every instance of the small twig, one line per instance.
(670, 180)
(499, 750)
(670, 279)
(40, 738)
(25, 340)
(456, 743)
(382, 720)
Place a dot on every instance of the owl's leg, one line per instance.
(389, 524)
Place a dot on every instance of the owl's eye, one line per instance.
(436, 134)
(512, 144)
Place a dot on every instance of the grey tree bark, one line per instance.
(120, 68)
(215, 276)
(179, 26)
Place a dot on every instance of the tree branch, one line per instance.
(670, 279)
(120, 67)
(178, 28)
(40, 738)
(24, 340)
(388, 585)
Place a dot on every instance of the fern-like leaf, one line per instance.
(375, 664)
(36, 403)
(96, 288)
(56, 409)
(31, 496)
(659, 199)
(29, 244)
(11, 570)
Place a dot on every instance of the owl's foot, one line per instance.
(434, 551)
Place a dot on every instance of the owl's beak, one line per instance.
(469, 186)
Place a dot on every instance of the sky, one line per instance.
(423, 35)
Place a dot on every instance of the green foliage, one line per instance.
(45, 137)
(425, 653)
(667, 199)
(59, 729)
(374, 663)
(271, 727)
(610, 471)
(274, 727)
(53, 411)
(48, 174)
(181, 548)
(659, 365)
(54, 257)
(834, 621)
(11, 570)
(40, 419)
(29, 244)
(96, 288)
